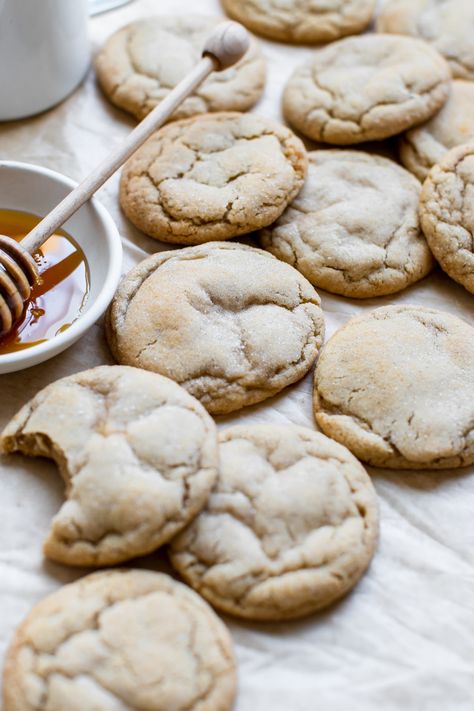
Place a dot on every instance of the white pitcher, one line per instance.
(44, 53)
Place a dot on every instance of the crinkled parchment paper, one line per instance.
(404, 639)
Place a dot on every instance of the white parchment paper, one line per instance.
(404, 639)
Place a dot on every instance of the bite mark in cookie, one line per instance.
(137, 453)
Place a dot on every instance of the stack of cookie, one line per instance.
(264, 522)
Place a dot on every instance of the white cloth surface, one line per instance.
(404, 638)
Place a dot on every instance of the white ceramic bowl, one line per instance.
(30, 188)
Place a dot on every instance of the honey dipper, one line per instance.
(18, 270)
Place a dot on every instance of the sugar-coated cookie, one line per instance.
(290, 527)
(212, 177)
(354, 228)
(302, 21)
(424, 146)
(140, 64)
(396, 386)
(447, 216)
(366, 88)
(230, 323)
(138, 455)
(121, 639)
(446, 24)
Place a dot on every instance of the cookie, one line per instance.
(230, 323)
(140, 64)
(446, 24)
(354, 228)
(122, 639)
(290, 527)
(366, 88)
(304, 21)
(212, 177)
(403, 396)
(447, 216)
(137, 453)
(422, 147)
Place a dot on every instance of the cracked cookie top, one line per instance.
(447, 216)
(445, 24)
(212, 177)
(230, 323)
(140, 64)
(137, 453)
(403, 396)
(302, 21)
(424, 146)
(354, 228)
(366, 88)
(290, 526)
(122, 640)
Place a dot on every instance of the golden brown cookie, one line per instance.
(366, 88)
(121, 639)
(447, 216)
(230, 323)
(302, 21)
(137, 453)
(354, 228)
(445, 24)
(140, 64)
(424, 146)
(290, 527)
(212, 177)
(396, 386)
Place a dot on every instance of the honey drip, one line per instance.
(60, 297)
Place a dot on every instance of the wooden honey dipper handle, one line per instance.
(224, 47)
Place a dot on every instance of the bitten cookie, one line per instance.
(230, 323)
(422, 147)
(212, 177)
(122, 639)
(366, 88)
(403, 396)
(138, 455)
(304, 21)
(140, 64)
(290, 527)
(354, 228)
(447, 215)
(446, 24)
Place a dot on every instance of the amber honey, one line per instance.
(60, 297)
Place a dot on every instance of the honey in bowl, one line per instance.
(59, 298)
